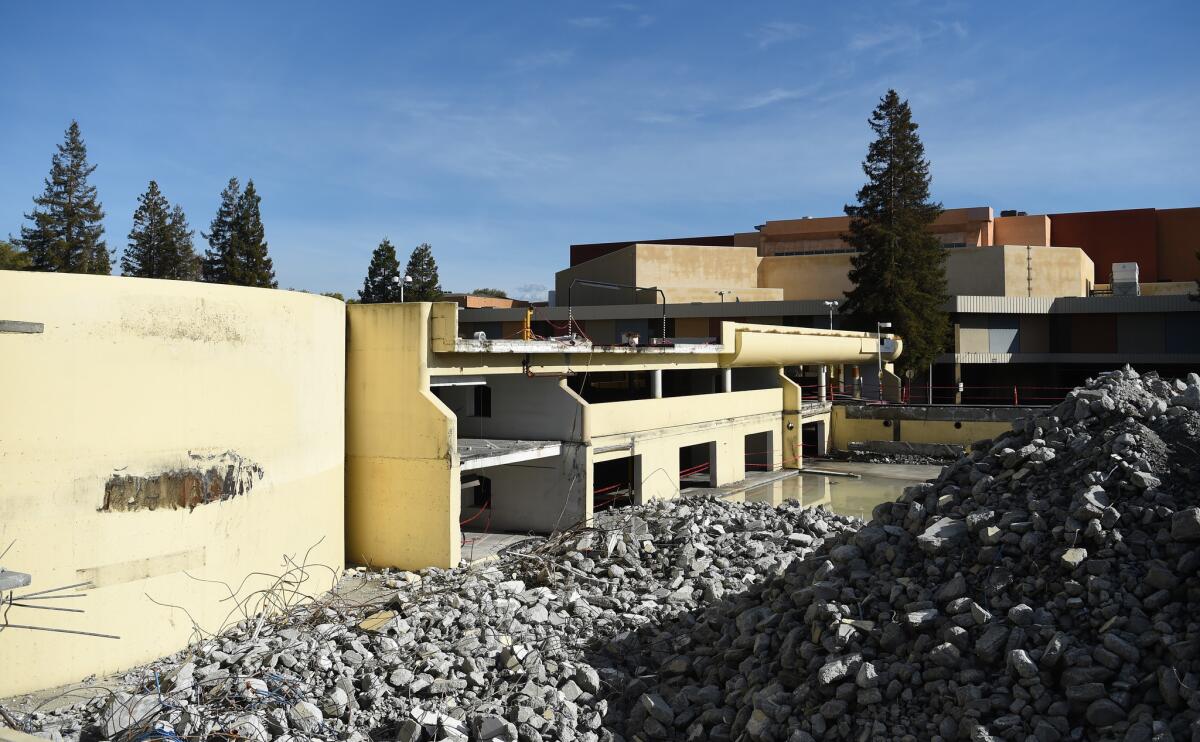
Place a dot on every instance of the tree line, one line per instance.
(65, 234)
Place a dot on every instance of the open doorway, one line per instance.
(615, 483)
(696, 465)
(760, 454)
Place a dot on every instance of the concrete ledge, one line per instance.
(904, 448)
(939, 413)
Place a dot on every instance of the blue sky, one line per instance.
(502, 132)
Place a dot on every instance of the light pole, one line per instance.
(832, 304)
(879, 351)
(401, 283)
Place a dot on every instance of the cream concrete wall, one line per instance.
(685, 273)
(1022, 230)
(657, 428)
(972, 334)
(807, 276)
(131, 376)
(697, 267)
(1046, 271)
(402, 468)
(844, 430)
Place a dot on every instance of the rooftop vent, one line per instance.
(1012, 212)
(1125, 279)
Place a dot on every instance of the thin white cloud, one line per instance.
(777, 32)
(903, 37)
(590, 22)
(771, 97)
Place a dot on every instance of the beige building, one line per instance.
(445, 430)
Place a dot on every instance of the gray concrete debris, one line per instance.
(1043, 587)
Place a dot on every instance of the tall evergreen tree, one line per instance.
(898, 273)
(214, 266)
(423, 270)
(66, 234)
(160, 243)
(382, 284)
(237, 251)
(252, 264)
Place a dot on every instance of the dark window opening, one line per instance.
(695, 466)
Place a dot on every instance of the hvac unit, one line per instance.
(1125, 279)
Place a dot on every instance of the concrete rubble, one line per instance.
(1043, 587)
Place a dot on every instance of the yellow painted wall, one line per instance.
(402, 469)
(844, 430)
(129, 376)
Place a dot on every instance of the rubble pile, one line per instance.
(1044, 587)
(495, 652)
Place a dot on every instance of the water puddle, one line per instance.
(855, 496)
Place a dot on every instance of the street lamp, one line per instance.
(407, 280)
(879, 351)
(832, 304)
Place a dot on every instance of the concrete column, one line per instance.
(727, 380)
(656, 383)
(821, 381)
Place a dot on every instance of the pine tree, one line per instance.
(382, 284)
(423, 270)
(66, 234)
(12, 257)
(251, 264)
(214, 266)
(237, 251)
(898, 273)
(160, 243)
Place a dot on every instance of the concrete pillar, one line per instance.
(727, 380)
(821, 381)
(656, 383)
(957, 383)
(857, 382)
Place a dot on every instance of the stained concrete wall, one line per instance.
(402, 468)
(137, 378)
(921, 423)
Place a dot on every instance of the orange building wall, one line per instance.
(1022, 230)
(1109, 237)
(1178, 243)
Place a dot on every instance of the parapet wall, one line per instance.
(932, 424)
(160, 440)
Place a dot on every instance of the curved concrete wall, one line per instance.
(155, 430)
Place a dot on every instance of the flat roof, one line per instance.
(480, 453)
